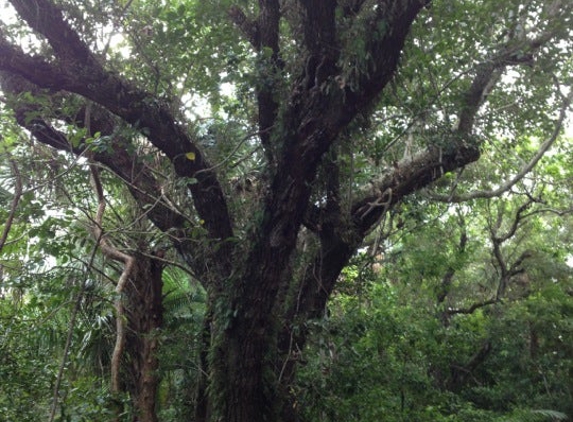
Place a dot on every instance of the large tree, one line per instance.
(340, 111)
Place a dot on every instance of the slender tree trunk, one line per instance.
(143, 302)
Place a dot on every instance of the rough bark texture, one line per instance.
(143, 303)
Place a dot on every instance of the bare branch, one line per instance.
(71, 325)
(129, 263)
(517, 220)
(506, 271)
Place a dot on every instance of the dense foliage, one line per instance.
(284, 210)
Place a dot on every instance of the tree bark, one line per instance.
(143, 305)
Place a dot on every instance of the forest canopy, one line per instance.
(286, 210)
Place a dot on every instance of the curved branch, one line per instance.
(135, 106)
(133, 171)
(138, 177)
(507, 271)
(545, 146)
(129, 264)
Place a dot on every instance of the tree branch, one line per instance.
(313, 121)
(129, 264)
(507, 271)
(249, 28)
(526, 169)
(137, 107)
(352, 8)
(264, 34)
(71, 325)
(459, 149)
(450, 272)
(130, 169)
(407, 175)
(461, 372)
(268, 25)
(45, 18)
(319, 27)
(136, 174)
(472, 308)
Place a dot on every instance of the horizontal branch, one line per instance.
(457, 151)
(410, 175)
(474, 307)
(524, 171)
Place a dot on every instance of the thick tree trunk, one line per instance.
(242, 376)
(143, 302)
(249, 399)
